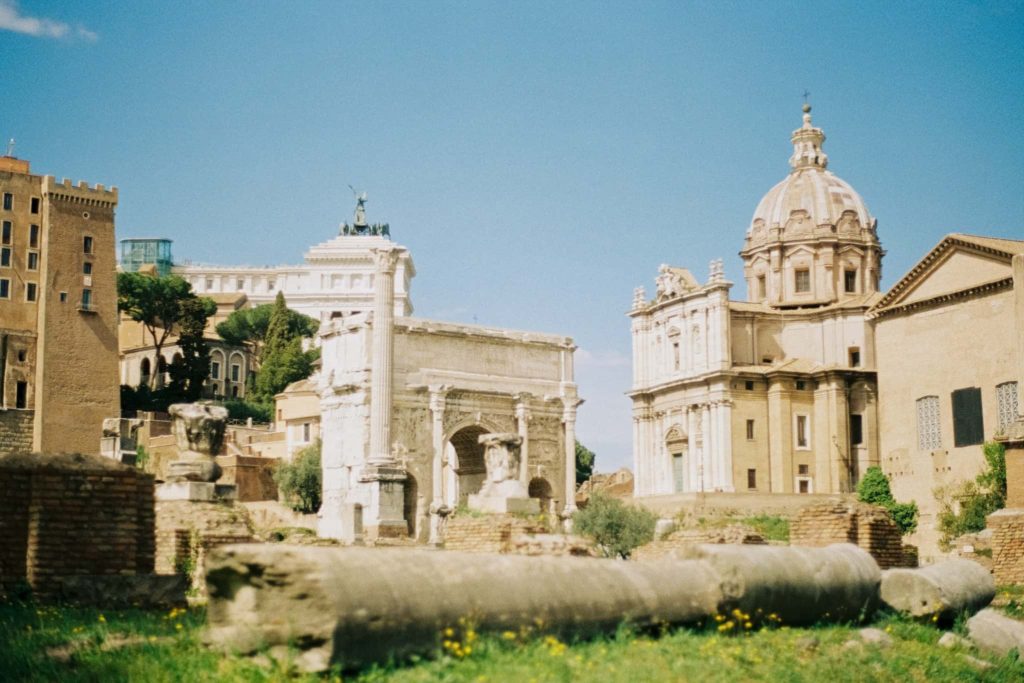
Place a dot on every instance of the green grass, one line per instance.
(773, 528)
(72, 644)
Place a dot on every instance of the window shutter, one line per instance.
(968, 427)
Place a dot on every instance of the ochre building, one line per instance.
(58, 312)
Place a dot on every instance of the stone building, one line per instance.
(404, 402)
(335, 280)
(776, 393)
(946, 338)
(58, 311)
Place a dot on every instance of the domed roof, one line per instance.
(809, 188)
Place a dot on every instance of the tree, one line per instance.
(976, 499)
(249, 326)
(584, 463)
(300, 480)
(284, 361)
(874, 489)
(156, 303)
(190, 372)
(615, 527)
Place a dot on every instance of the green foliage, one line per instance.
(874, 489)
(281, 367)
(189, 374)
(250, 326)
(141, 457)
(156, 303)
(963, 509)
(144, 398)
(242, 410)
(300, 480)
(771, 527)
(615, 527)
(281, 359)
(584, 463)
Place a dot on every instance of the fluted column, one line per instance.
(692, 451)
(437, 505)
(522, 425)
(569, 420)
(708, 442)
(382, 365)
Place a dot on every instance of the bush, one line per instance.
(615, 527)
(976, 499)
(300, 480)
(874, 489)
(241, 410)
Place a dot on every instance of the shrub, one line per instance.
(874, 489)
(976, 499)
(241, 410)
(771, 527)
(300, 480)
(615, 527)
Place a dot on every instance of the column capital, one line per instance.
(385, 259)
(438, 393)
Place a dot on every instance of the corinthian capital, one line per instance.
(385, 259)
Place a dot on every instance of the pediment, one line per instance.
(955, 265)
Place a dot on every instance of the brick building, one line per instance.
(58, 311)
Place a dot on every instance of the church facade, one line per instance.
(778, 392)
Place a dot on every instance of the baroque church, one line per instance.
(778, 392)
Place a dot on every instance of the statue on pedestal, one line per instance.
(199, 435)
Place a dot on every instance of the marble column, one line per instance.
(692, 451)
(523, 428)
(569, 420)
(708, 443)
(382, 363)
(727, 474)
(438, 509)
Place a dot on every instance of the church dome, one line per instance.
(811, 199)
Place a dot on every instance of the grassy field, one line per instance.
(72, 644)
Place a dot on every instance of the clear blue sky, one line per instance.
(538, 159)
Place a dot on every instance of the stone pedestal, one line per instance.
(383, 516)
(200, 491)
(199, 435)
(503, 491)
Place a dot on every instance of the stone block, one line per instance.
(186, 490)
(996, 633)
(942, 591)
(503, 505)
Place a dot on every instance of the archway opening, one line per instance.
(470, 470)
(410, 502)
(540, 489)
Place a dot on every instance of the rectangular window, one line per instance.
(6, 232)
(33, 260)
(31, 291)
(1006, 399)
(236, 372)
(87, 268)
(805, 486)
(803, 470)
(801, 385)
(5, 257)
(33, 236)
(21, 395)
(749, 385)
(208, 284)
(305, 431)
(762, 288)
(850, 281)
(87, 244)
(63, 297)
(675, 355)
(215, 369)
(929, 436)
(803, 437)
(5, 289)
(271, 285)
(750, 430)
(854, 357)
(856, 430)
(239, 284)
(752, 479)
(35, 205)
(968, 428)
(802, 281)
(8, 201)
(86, 299)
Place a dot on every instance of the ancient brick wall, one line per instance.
(72, 515)
(252, 477)
(487, 534)
(1007, 546)
(677, 540)
(15, 431)
(867, 526)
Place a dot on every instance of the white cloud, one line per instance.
(11, 19)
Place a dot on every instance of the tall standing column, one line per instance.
(569, 419)
(382, 364)
(522, 425)
(692, 452)
(438, 509)
(708, 442)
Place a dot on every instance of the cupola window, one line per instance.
(802, 281)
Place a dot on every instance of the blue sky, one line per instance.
(538, 159)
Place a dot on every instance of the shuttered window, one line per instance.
(968, 428)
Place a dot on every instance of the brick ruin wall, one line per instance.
(15, 431)
(738, 534)
(72, 515)
(508, 534)
(1007, 546)
(867, 526)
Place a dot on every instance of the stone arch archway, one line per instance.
(540, 488)
(144, 372)
(466, 460)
